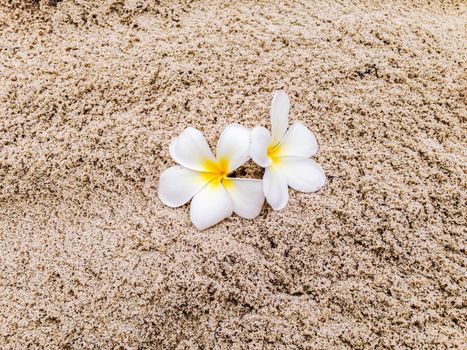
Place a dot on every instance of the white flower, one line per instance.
(285, 155)
(204, 178)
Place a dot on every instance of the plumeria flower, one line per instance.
(204, 178)
(285, 155)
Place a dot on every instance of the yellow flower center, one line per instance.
(274, 152)
(216, 170)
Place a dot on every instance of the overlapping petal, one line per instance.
(247, 196)
(275, 188)
(260, 140)
(191, 149)
(177, 185)
(234, 145)
(302, 174)
(298, 141)
(210, 205)
(279, 115)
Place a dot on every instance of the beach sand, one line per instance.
(91, 94)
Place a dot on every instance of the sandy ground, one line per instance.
(92, 92)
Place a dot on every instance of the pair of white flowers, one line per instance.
(285, 155)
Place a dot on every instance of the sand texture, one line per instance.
(91, 94)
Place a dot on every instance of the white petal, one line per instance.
(247, 196)
(177, 185)
(191, 149)
(234, 145)
(279, 115)
(275, 188)
(304, 175)
(210, 205)
(298, 141)
(260, 141)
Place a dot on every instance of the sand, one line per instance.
(92, 92)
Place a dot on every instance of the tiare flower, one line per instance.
(285, 155)
(204, 177)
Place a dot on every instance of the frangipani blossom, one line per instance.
(285, 155)
(204, 178)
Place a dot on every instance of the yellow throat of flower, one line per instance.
(216, 170)
(273, 152)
